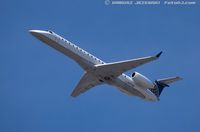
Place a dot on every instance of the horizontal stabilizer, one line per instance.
(160, 84)
(169, 80)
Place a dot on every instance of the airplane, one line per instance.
(98, 72)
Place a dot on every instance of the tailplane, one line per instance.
(160, 84)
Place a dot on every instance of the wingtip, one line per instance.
(73, 95)
(180, 78)
(158, 55)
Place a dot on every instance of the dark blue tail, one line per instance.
(159, 86)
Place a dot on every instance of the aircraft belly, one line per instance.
(126, 88)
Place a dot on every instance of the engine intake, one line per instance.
(142, 81)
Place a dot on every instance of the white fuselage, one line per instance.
(89, 62)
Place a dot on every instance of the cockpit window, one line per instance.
(50, 31)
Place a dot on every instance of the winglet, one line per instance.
(158, 55)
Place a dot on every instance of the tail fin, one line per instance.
(160, 84)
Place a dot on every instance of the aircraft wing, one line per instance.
(87, 81)
(117, 68)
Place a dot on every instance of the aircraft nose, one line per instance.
(40, 34)
(33, 32)
(37, 32)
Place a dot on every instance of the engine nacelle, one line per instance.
(142, 81)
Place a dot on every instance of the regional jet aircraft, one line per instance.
(98, 72)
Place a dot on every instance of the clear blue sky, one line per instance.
(36, 81)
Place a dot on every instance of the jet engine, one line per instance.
(142, 81)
